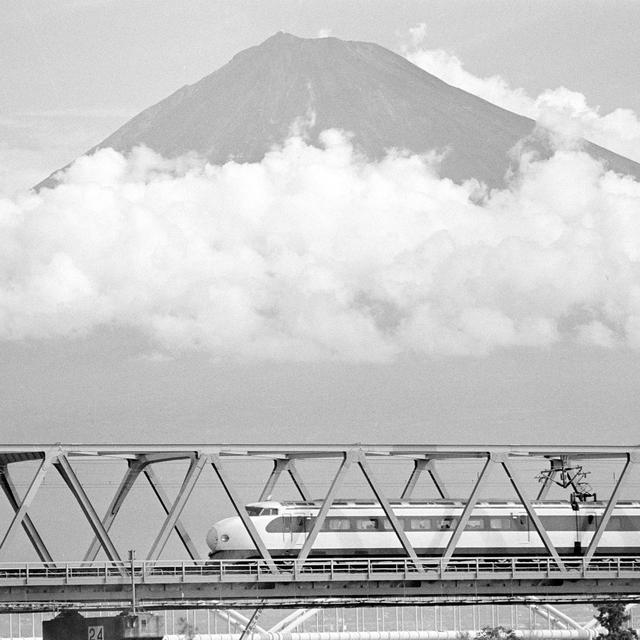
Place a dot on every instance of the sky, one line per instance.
(106, 368)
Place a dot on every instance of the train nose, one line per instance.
(212, 539)
(216, 539)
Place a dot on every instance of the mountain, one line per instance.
(244, 108)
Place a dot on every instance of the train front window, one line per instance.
(261, 511)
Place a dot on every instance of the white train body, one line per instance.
(361, 528)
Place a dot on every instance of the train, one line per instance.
(360, 528)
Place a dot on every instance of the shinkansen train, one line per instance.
(360, 528)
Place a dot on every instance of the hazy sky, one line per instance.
(121, 55)
(74, 70)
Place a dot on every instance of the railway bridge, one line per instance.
(74, 511)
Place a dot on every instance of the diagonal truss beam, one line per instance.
(238, 619)
(193, 473)
(27, 524)
(537, 523)
(227, 485)
(160, 493)
(297, 480)
(386, 507)
(419, 466)
(295, 620)
(556, 616)
(75, 486)
(135, 468)
(21, 512)
(546, 485)
(326, 505)
(290, 621)
(606, 516)
(466, 512)
(281, 465)
(126, 484)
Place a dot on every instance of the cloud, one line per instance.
(561, 109)
(318, 254)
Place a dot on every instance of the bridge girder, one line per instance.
(141, 460)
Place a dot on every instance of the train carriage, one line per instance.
(360, 528)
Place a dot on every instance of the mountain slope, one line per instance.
(241, 110)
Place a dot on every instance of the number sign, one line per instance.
(95, 633)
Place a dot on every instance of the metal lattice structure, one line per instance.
(375, 623)
(273, 582)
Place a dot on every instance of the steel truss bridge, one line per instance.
(267, 582)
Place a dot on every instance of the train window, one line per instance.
(420, 524)
(499, 523)
(300, 523)
(289, 524)
(623, 523)
(446, 523)
(367, 524)
(475, 524)
(253, 511)
(279, 524)
(339, 524)
(386, 523)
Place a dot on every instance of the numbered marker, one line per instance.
(95, 633)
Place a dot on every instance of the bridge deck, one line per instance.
(317, 582)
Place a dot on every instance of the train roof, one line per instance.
(300, 504)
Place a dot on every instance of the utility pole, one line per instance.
(248, 630)
(132, 557)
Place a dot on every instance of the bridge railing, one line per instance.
(325, 569)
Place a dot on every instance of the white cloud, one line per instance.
(561, 109)
(317, 254)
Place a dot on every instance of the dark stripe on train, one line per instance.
(463, 552)
(361, 524)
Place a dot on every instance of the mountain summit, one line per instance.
(247, 106)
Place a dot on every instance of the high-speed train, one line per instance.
(360, 528)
